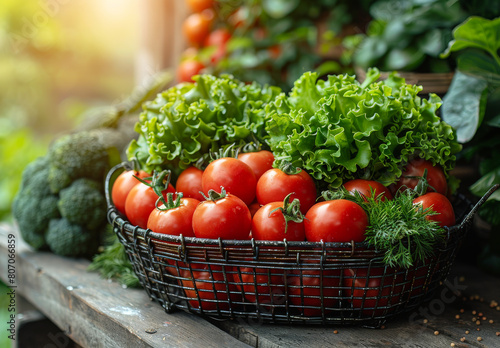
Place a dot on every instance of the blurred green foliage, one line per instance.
(57, 59)
(275, 41)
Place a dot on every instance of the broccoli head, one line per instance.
(67, 239)
(68, 223)
(79, 155)
(83, 203)
(34, 204)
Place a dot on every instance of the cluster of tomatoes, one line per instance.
(244, 198)
(198, 30)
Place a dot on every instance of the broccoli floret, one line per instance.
(34, 205)
(83, 203)
(67, 239)
(79, 155)
(58, 179)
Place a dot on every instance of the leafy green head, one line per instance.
(339, 129)
(189, 120)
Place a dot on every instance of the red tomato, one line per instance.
(227, 218)
(416, 167)
(189, 183)
(274, 185)
(196, 27)
(234, 175)
(218, 39)
(254, 207)
(261, 286)
(187, 69)
(260, 161)
(122, 186)
(274, 51)
(307, 286)
(365, 187)
(174, 221)
(209, 287)
(271, 226)
(441, 205)
(371, 291)
(338, 220)
(140, 202)
(200, 5)
(420, 276)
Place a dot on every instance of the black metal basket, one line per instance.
(283, 282)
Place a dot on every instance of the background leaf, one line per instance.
(477, 32)
(279, 8)
(464, 105)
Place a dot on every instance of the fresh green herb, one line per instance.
(338, 129)
(401, 229)
(186, 122)
(113, 263)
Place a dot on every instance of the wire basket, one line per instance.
(283, 281)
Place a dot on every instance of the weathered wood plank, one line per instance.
(98, 313)
(479, 293)
(416, 329)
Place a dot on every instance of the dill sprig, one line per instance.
(113, 263)
(401, 229)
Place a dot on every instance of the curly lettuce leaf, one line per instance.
(184, 123)
(337, 129)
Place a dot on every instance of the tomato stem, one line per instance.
(422, 185)
(170, 202)
(291, 211)
(289, 168)
(159, 182)
(226, 151)
(214, 195)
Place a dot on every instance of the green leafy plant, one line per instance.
(188, 121)
(408, 35)
(339, 129)
(471, 107)
(113, 263)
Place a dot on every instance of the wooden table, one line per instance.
(98, 313)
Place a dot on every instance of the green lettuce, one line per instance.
(188, 121)
(338, 129)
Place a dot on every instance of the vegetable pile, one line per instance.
(334, 160)
(338, 129)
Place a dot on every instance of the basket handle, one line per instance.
(111, 172)
(478, 205)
